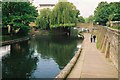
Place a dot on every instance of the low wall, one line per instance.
(114, 23)
(67, 69)
(85, 25)
(108, 42)
(14, 41)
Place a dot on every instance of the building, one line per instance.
(50, 6)
(42, 6)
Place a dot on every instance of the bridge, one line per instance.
(93, 62)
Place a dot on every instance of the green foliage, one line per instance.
(0, 16)
(63, 25)
(18, 15)
(62, 0)
(115, 11)
(15, 0)
(107, 12)
(63, 14)
(102, 13)
(24, 30)
(81, 19)
(90, 19)
(43, 20)
(97, 45)
(116, 27)
(114, 17)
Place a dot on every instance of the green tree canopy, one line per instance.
(64, 14)
(115, 11)
(18, 15)
(43, 20)
(90, 19)
(107, 12)
(102, 13)
(62, 0)
(81, 19)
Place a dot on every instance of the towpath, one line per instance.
(92, 63)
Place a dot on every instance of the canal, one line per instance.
(40, 57)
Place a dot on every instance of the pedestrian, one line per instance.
(94, 37)
(88, 31)
(91, 38)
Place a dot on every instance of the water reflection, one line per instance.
(41, 57)
(4, 50)
(61, 49)
(19, 63)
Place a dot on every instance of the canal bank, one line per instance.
(92, 64)
(9, 42)
(67, 69)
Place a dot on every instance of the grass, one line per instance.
(116, 27)
(97, 45)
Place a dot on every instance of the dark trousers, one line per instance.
(91, 39)
(94, 39)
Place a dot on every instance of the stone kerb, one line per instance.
(64, 73)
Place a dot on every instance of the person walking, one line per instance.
(94, 38)
(88, 31)
(91, 38)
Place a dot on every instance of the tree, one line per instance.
(115, 11)
(107, 12)
(90, 19)
(43, 20)
(64, 14)
(18, 15)
(81, 19)
(62, 0)
(102, 13)
(0, 15)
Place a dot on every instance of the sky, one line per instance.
(86, 7)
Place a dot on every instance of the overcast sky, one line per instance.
(86, 7)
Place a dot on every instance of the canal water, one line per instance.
(40, 57)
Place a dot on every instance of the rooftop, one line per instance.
(47, 4)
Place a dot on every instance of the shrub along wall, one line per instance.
(108, 42)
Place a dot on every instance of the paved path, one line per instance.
(92, 63)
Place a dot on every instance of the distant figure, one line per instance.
(91, 38)
(94, 37)
(88, 31)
